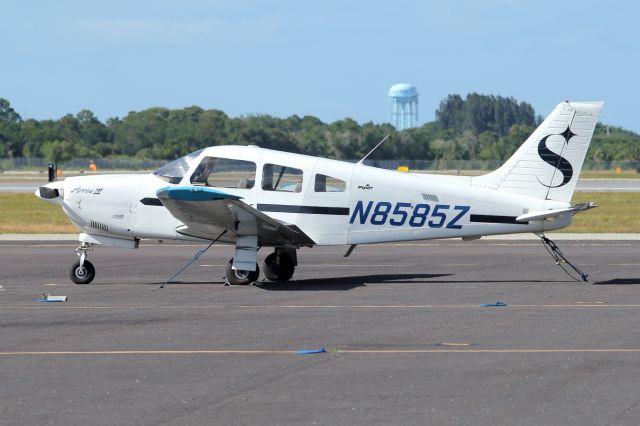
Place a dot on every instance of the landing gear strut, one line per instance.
(280, 265)
(82, 272)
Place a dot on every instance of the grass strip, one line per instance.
(618, 212)
(26, 214)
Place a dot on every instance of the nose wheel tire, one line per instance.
(82, 274)
(278, 267)
(239, 277)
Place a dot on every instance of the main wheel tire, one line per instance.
(281, 270)
(238, 277)
(82, 274)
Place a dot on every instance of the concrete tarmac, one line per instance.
(608, 185)
(406, 337)
(21, 186)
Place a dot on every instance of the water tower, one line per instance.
(403, 106)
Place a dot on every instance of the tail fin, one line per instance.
(547, 165)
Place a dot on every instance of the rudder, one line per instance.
(548, 163)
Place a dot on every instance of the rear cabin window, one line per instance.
(281, 178)
(224, 173)
(324, 183)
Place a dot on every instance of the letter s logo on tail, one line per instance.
(555, 160)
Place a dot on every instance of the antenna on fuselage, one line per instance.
(374, 148)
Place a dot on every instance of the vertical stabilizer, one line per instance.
(548, 163)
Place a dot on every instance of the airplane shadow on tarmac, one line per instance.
(619, 281)
(346, 283)
(351, 282)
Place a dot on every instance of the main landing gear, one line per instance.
(82, 272)
(239, 277)
(278, 266)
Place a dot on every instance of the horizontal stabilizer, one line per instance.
(546, 214)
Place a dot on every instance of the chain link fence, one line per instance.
(137, 164)
(33, 163)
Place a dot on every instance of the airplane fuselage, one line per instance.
(364, 205)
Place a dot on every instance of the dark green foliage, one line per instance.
(480, 113)
(7, 114)
(10, 140)
(92, 131)
(614, 143)
(478, 127)
(58, 151)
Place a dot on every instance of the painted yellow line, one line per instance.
(339, 351)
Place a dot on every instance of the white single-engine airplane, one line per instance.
(254, 197)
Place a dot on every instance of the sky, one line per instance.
(331, 59)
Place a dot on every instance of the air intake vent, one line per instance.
(430, 197)
(98, 225)
(49, 193)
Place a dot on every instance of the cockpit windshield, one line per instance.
(174, 171)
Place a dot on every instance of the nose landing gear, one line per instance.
(82, 272)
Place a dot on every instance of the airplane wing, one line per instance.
(206, 212)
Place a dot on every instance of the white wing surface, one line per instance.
(207, 212)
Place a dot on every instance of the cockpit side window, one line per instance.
(224, 173)
(281, 178)
(324, 183)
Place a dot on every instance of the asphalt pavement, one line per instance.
(406, 338)
(608, 185)
(20, 186)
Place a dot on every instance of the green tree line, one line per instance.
(478, 127)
